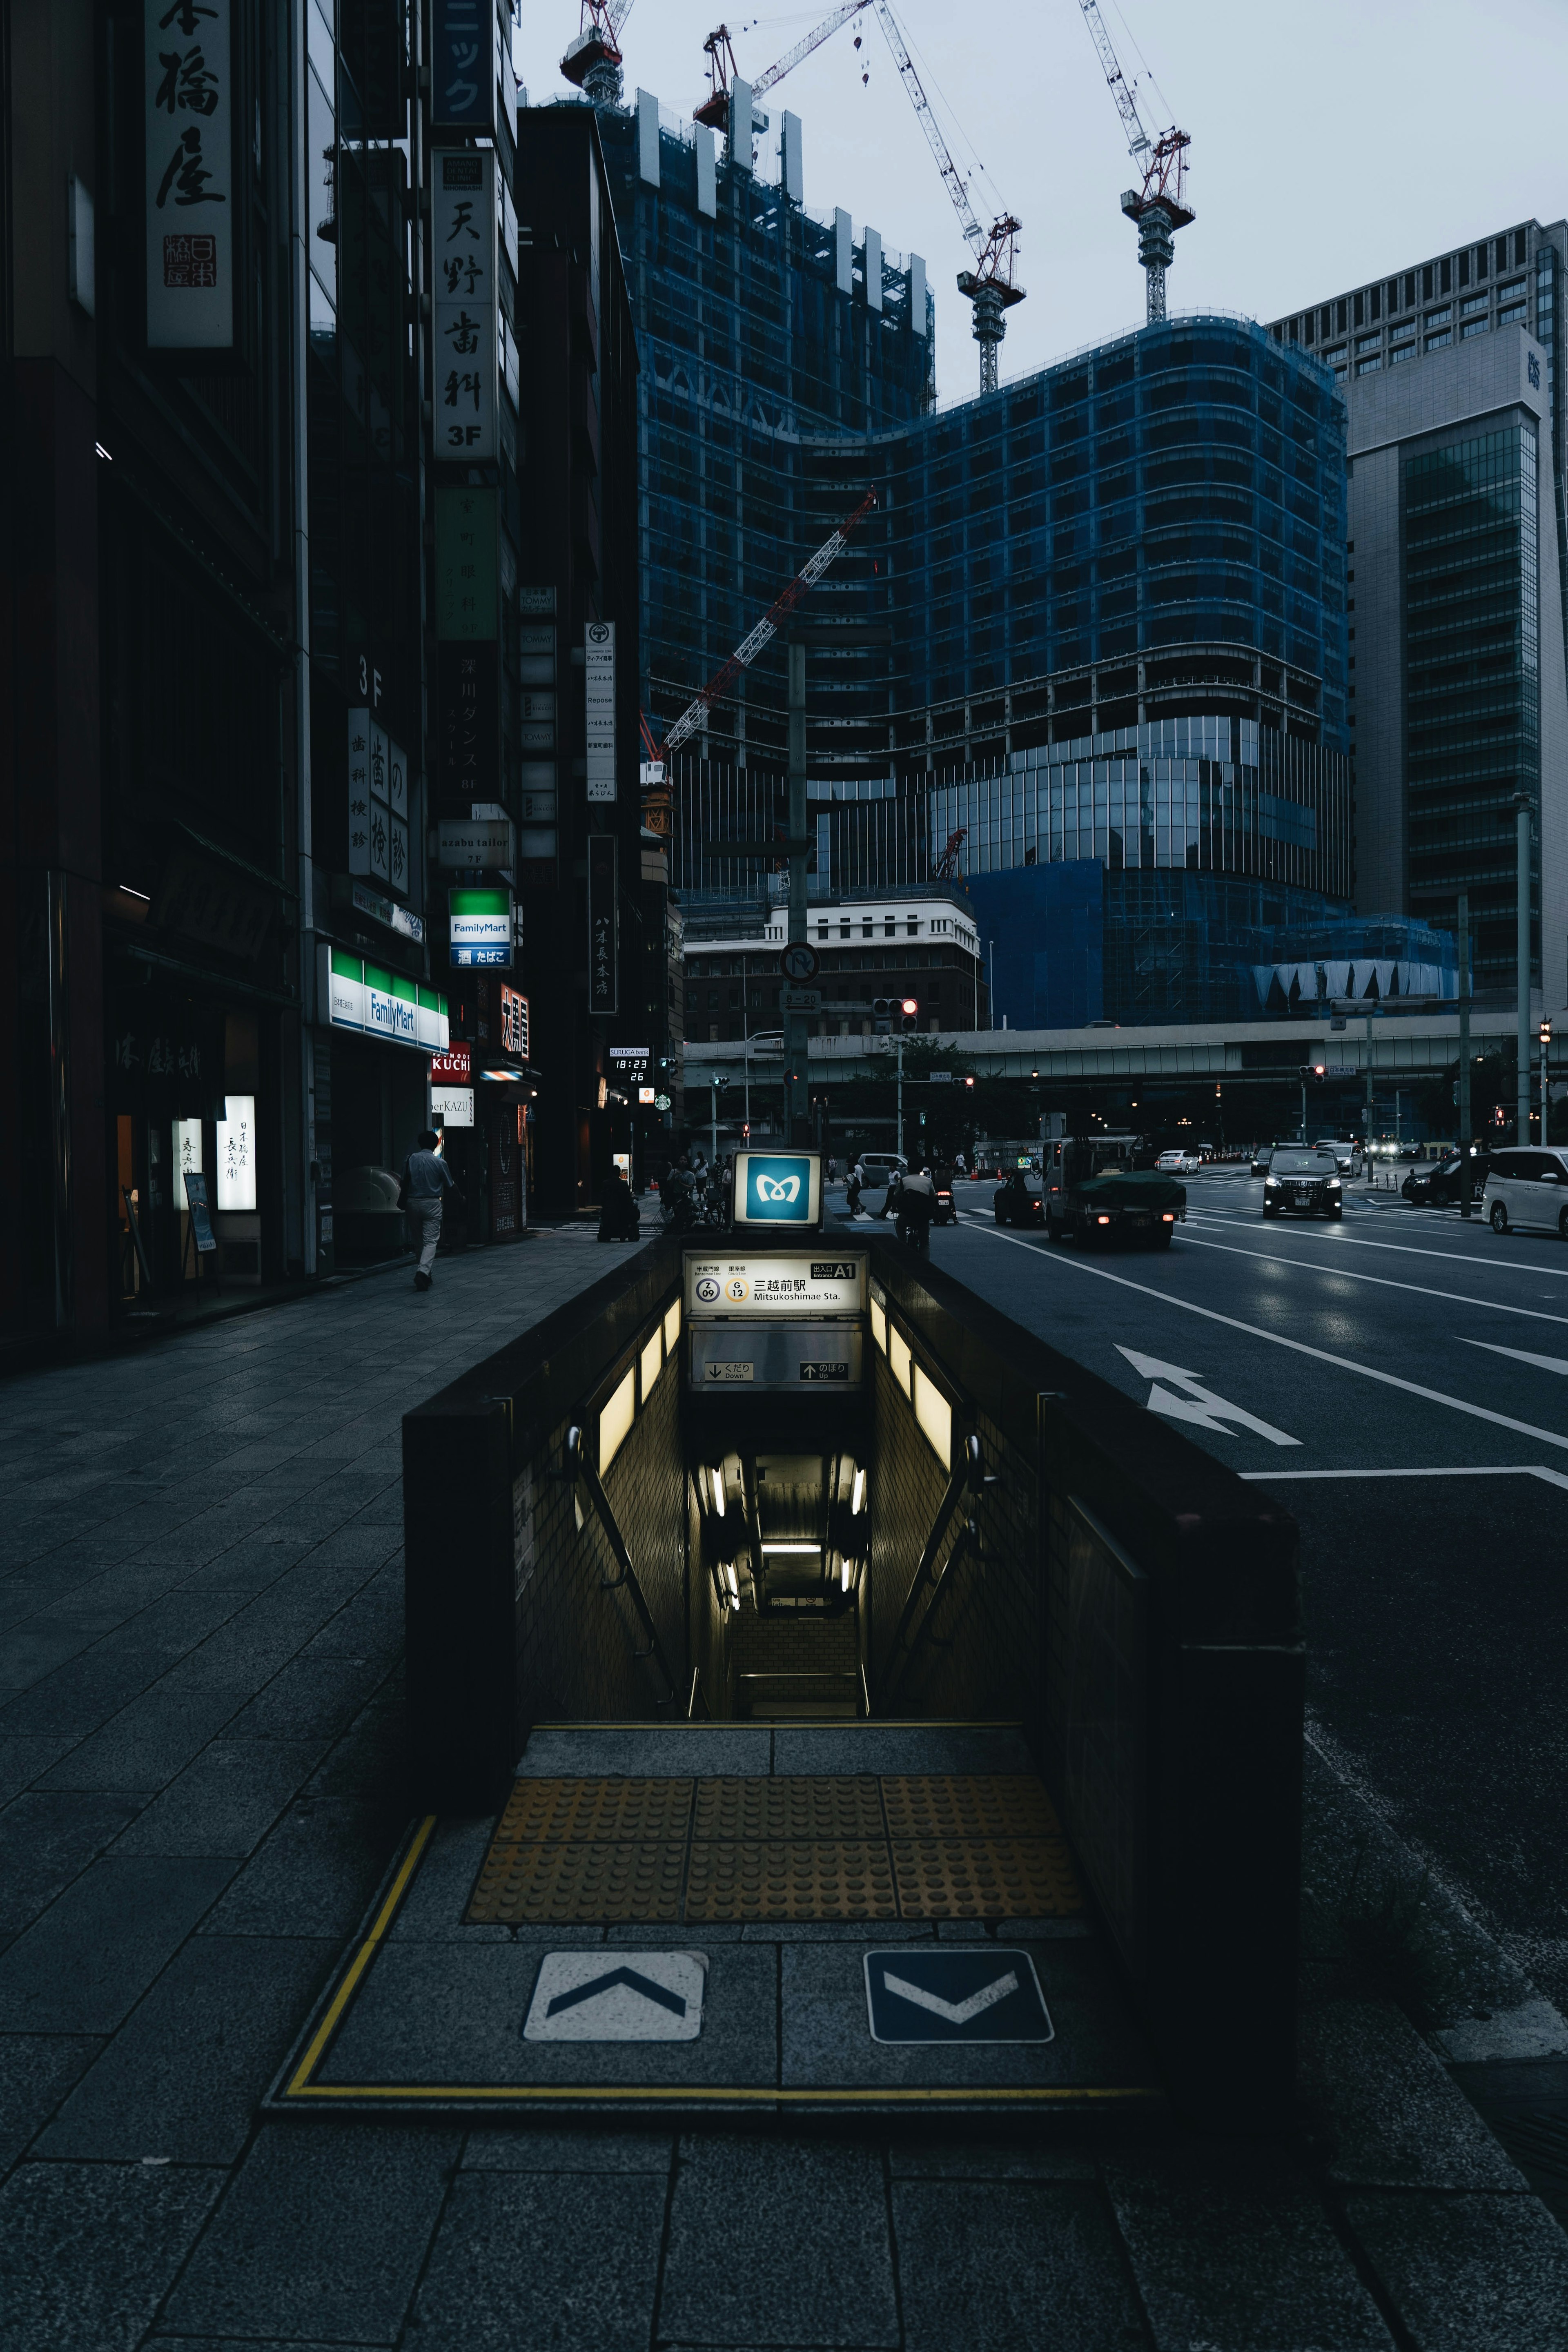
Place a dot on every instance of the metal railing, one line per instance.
(577, 1467)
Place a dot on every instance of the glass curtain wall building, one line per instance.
(1459, 587)
(759, 325)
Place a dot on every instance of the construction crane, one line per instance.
(722, 70)
(945, 868)
(767, 628)
(990, 285)
(593, 60)
(1159, 207)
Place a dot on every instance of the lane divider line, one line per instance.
(1520, 1355)
(1445, 1470)
(1383, 1281)
(1404, 1249)
(1277, 1339)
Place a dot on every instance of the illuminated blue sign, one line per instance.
(778, 1188)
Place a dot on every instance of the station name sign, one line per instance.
(774, 1286)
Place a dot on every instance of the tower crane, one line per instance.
(593, 60)
(990, 285)
(1159, 207)
(750, 647)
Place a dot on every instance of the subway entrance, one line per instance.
(826, 1697)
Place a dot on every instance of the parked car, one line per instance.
(1303, 1181)
(1017, 1205)
(1528, 1189)
(1438, 1186)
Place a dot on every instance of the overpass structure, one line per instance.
(1413, 1044)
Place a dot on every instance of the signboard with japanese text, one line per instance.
(513, 1022)
(604, 957)
(190, 194)
(454, 1066)
(453, 1106)
(463, 349)
(462, 64)
(480, 926)
(359, 792)
(470, 722)
(467, 575)
(237, 1154)
(362, 997)
(722, 1285)
(207, 902)
(599, 661)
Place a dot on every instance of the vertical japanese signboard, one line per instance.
(470, 724)
(397, 815)
(599, 659)
(462, 64)
(191, 196)
(463, 243)
(603, 959)
(467, 562)
(378, 803)
(359, 792)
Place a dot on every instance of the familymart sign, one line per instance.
(374, 1003)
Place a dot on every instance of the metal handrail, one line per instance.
(577, 1465)
(967, 1473)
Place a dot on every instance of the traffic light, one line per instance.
(969, 1084)
(1314, 1069)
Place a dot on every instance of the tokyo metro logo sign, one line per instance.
(778, 1190)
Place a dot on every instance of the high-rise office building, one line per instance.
(1458, 588)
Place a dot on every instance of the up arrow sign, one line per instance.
(1197, 1407)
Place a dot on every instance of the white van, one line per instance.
(1528, 1189)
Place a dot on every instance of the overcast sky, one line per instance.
(1334, 141)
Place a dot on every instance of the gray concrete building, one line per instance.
(1456, 573)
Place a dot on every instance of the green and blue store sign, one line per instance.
(374, 1003)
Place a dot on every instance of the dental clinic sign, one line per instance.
(188, 139)
(778, 1188)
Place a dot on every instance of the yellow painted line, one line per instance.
(362, 1959)
(625, 2092)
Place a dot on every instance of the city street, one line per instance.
(1398, 1380)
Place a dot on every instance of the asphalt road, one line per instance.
(1400, 1379)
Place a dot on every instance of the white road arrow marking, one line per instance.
(1198, 1407)
(955, 2012)
(1521, 1355)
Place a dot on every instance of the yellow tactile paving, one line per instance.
(523, 1886)
(918, 1846)
(628, 1810)
(951, 1805)
(789, 1807)
(985, 1878)
(777, 1879)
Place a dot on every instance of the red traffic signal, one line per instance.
(909, 1007)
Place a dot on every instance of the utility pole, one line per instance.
(1369, 1103)
(1464, 1120)
(899, 1044)
(1521, 1071)
(795, 1053)
(1545, 1058)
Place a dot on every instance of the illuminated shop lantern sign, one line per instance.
(237, 1154)
(372, 1002)
(513, 1022)
(480, 926)
(188, 114)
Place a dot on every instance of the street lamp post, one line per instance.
(899, 1044)
(1465, 1123)
(715, 1085)
(1545, 1056)
(1522, 1074)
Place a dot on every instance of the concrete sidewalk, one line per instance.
(200, 1786)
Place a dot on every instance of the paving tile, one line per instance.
(432, 1910)
(372, 1753)
(653, 1751)
(587, 2285)
(184, 2074)
(1469, 2273)
(1055, 2150)
(1419, 2132)
(37, 2069)
(144, 1747)
(824, 2286)
(322, 2235)
(78, 1699)
(83, 1967)
(900, 1748)
(225, 1801)
(47, 1838)
(87, 2250)
(314, 1873)
(1231, 2250)
(309, 1698)
(519, 2148)
(1012, 2266)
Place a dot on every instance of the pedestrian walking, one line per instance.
(618, 1217)
(852, 1189)
(427, 1180)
